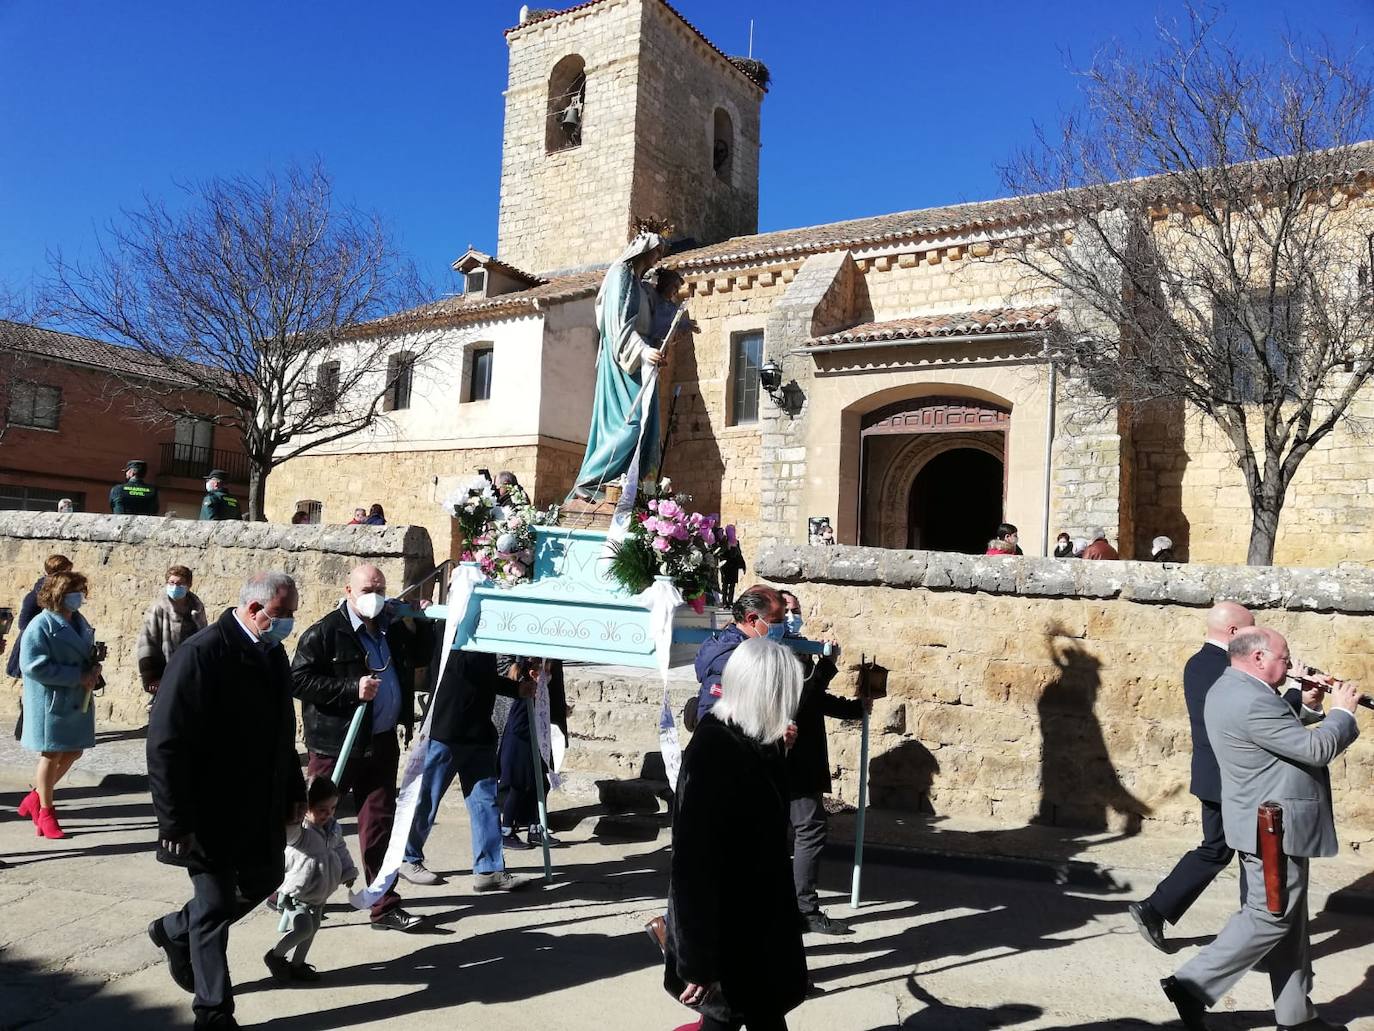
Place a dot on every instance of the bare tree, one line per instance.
(1205, 223)
(254, 291)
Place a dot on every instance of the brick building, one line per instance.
(73, 415)
(906, 399)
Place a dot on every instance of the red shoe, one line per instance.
(46, 826)
(29, 807)
(691, 1027)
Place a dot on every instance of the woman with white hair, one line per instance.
(734, 944)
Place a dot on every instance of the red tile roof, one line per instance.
(964, 323)
(552, 14)
(460, 309)
(78, 350)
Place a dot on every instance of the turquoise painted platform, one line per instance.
(570, 609)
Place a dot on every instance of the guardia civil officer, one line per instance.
(218, 503)
(133, 496)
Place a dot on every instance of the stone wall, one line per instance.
(1188, 487)
(125, 559)
(1042, 690)
(409, 485)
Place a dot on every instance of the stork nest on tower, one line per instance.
(755, 69)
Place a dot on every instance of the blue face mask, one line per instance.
(73, 601)
(777, 631)
(177, 591)
(794, 624)
(278, 631)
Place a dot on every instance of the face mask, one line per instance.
(369, 606)
(794, 624)
(277, 631)
(73, 600)
(777, 631)
(177, 591)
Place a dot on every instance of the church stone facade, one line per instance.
(913, 408)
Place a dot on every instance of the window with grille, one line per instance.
(746, 357)
(400, 375)
(479, 374)
(34, 404)
(313, 510)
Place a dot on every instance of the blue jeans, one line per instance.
(475, 768)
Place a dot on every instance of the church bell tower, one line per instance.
(617, 109)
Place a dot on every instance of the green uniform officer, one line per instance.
(218, 503)
(133, 496)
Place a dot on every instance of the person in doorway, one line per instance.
(731, 565)
(218, 503)
(1008, 534)
(360, 654)
(133, 496)
(758, 612)
(808, 772)
(733, 946)
(226, 783)
(1098, 548)
(173, 617)
(463, 744)
(57, 659)
(1000, 546)
(1266, 755)
(1162, 550)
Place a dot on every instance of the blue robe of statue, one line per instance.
(625, 320)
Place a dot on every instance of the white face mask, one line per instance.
(369, 606)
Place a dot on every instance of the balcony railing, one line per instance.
(194, 462)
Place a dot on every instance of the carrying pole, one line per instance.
(859, 819)
(352, 736)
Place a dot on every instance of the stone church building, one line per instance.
(886, 373)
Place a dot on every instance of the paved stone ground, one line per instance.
(937, 949)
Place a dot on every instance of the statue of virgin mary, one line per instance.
(621, 421)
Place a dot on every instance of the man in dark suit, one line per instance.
(1190, 877)
(1266, 754)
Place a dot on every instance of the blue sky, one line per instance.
(875, 106)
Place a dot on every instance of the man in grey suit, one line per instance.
(1266, 754)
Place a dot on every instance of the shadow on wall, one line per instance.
(692, 459)
(901, 778)
(1079, 786)
(1160, 457)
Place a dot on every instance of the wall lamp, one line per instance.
(770, 378)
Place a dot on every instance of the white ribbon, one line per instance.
(542, 722)
(662, 599)
(460, 591)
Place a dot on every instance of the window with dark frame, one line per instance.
(746, 358)
(17, 497)
(34, 405)
(479, 374)
(400, 375)
(475, 282)
(1281, 346)
(327, 385)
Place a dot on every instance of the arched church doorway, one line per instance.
(932, 473)
(955, 502)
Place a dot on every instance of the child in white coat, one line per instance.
(317, 862)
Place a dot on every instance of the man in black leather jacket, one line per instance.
(360, 655)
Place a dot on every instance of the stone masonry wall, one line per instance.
(409, 485)
(1188, 487)
(1045, 690)
(125, 558)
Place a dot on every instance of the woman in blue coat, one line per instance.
(57, 659)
